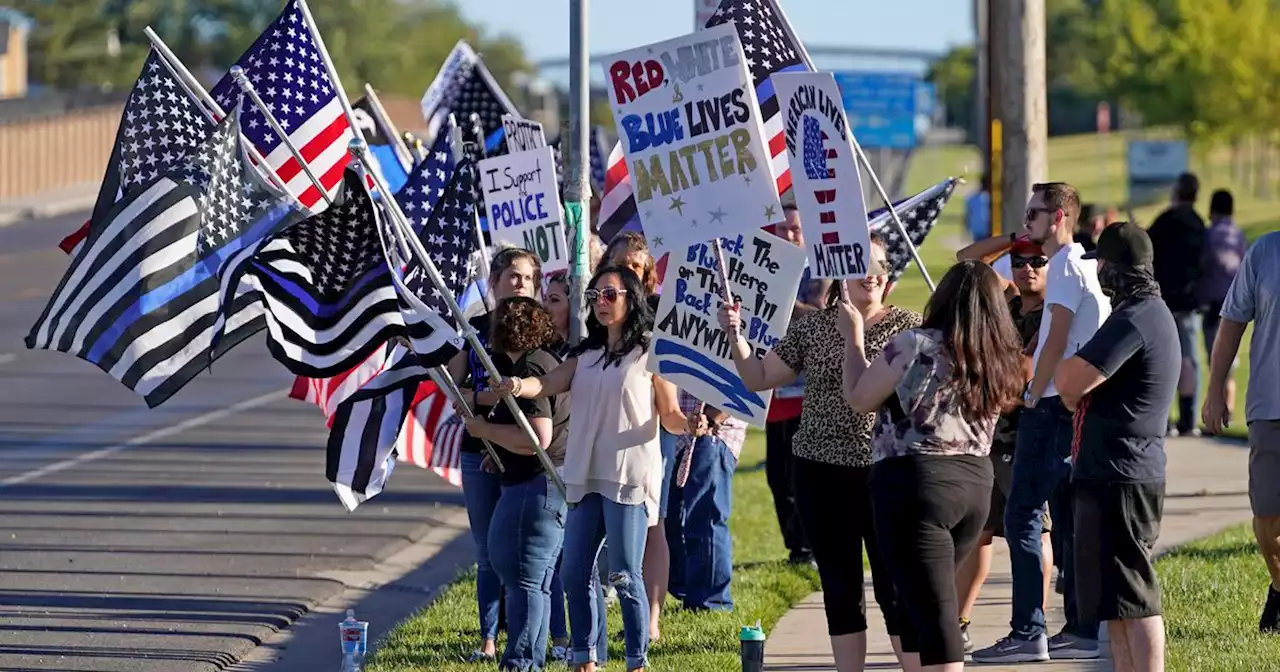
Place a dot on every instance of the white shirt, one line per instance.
(1072, 282)
(1003, 267)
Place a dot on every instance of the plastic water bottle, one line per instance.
(751, 647)
(354, 639)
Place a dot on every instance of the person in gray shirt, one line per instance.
(1254, 296)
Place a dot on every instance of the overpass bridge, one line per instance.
(827, 57)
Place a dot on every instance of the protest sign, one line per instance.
(689, 124)
(824, 170)
(689, 347)
(522, 134)
(522, 203)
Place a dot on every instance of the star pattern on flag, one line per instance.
(447, 238)
(473, 93)
(918, 220)
(764, 41)
(229, 197)
(289, 74)
(162, 125)
(426, 185)
(341, 243)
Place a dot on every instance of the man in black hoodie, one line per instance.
(1177, 238)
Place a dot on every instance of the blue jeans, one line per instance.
(589, 523)
(1188, 324)
(524, 543)
(1040, 462)
(671, 511)
(1062, 508)
(708, 548)
(559, 622)
(481, 491)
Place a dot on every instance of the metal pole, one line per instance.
(192, 85)
(389, 128)
(577, 191)
(360, 152)
(442, 377)
(242, 81)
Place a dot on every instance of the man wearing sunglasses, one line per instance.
(1075, 308)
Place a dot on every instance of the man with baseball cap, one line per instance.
(1121, 385)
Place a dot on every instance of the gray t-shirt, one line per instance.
(1255, 297)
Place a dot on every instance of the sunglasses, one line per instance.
(1032, 212)
(609, 294)
(1033, 262)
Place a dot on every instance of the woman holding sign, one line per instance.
(832, 449)
(527, 528)
(514, 272)
(613, 463)
(939, 390)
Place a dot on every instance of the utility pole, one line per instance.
(981, 126)
(577, 189)
(1016, 39)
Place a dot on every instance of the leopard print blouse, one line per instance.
(829, 431)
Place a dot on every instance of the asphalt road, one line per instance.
(175, 538)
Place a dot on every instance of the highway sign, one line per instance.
(881, 107)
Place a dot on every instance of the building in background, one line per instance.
(14, 27)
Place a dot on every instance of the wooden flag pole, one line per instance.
(360, 152)
(237, 75)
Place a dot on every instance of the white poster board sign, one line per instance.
(689, 347)
(690, 127)
(522, 134)
(824, 172)
(522, 202)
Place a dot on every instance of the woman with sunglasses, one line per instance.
(514, 272)
(939, 390)
(832, 449)
(630, 250)
(612, 458)
(527, 527)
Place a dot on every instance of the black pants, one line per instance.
(929, 512)
(779, 470)
(835, 509)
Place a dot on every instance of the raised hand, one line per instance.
(731, 320)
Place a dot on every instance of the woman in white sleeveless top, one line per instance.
(613, 460)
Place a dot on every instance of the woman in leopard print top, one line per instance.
(833, 450)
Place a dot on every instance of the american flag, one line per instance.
(285, 66)
(161, 127)
(464, 87)
(142, 298)
(770, 49)
(417, 199)
(919, 214)
(327, 289)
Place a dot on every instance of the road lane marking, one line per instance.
(149, 437)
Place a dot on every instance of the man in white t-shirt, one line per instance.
(1075, 308)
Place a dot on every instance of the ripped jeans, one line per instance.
(589, 523)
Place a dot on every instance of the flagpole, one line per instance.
(450, 388)
(242, 81)
(328, 64)
(359, 151)
(857, 149)
(577, 192)
(211, 107)
(486, 261)
(389, 127)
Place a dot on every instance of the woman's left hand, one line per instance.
(849, 321)
(697, 424)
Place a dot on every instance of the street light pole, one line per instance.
(577, 190)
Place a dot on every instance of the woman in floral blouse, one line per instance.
(832, 450)
(939, 390)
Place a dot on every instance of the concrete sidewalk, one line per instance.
(1207, 491)
(49, 203)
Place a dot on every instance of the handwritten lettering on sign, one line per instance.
(827, 184)
(522, 200)
(522, 134)
(689, 347)
(689, 124)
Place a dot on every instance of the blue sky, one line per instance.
(617, 25)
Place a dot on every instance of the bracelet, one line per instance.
(517, 386)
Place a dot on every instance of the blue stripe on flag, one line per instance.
(765, 90)
(304, 297)
(200, 271)
(494, 140)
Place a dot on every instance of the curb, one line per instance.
(15, 215)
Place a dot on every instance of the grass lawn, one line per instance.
(764, 586)
(1096, 166)
(1213, 592)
